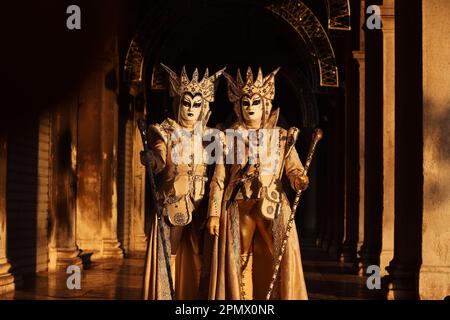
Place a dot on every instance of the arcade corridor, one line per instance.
(73, 191)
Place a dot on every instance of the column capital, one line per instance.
(360, 57)
(388, 16)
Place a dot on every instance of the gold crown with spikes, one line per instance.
(264, 86)
(182, 84)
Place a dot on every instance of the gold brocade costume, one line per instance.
(242, 259)
(185, 243)
(181, 184)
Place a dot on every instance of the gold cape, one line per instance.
(187, 265)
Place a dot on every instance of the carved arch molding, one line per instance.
(339, 15)
(294, 12)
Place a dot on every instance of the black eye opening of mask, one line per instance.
(246, 102)
(186, 103)
(256, 102)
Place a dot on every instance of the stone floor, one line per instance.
(328, 279)
(113, 279)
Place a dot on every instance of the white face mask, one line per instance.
(191, 108)
(252, 109)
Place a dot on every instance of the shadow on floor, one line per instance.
(326, 279)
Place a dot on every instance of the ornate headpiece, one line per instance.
(182, 84)
(264, 86)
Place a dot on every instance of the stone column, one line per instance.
(98, 140)
(6, 278)
(373, 149)
(360, 57)
(338, 176)
(62, 248)
(138, 236)
(351, 165)
(110, 128)
(435, 271)
(388, 18)
(322, 159)
(404, 268)
(97, 169)
(326, 163)
(90, 163)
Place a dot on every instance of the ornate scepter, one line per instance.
(142, 126)
(318, 134)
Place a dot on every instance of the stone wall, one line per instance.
(435, 270)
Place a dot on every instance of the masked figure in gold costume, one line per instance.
(181, 178)
(249, 229)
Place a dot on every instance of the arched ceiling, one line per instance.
(302, 20)
(306, 24)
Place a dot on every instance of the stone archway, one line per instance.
(293, 15)
(309, 28)
(294, 12)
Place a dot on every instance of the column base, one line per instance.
(111, 249)
(91, 249)
(61, 258)
(403, 282)
(361, 268)
(349, 253)
(367, 259)
(434, 282)
(136, 254)
(319, 243)
(386, 257)
(334, 250)
(140, 243)
(325, 244)
(349, 258)
(6, 279)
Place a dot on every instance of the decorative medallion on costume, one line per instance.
(180, 189)
(248, 209)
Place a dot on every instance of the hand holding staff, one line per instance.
(318, 134)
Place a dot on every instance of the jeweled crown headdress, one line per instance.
(264, 86)
(182, 84)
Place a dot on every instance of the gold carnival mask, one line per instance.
(252, 94)
(194, 95)
(191, 107)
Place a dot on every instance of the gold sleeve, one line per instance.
(294, 168)
(216, 191)
(159, 149)
(217, 185)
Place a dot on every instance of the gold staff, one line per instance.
(318, 134)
